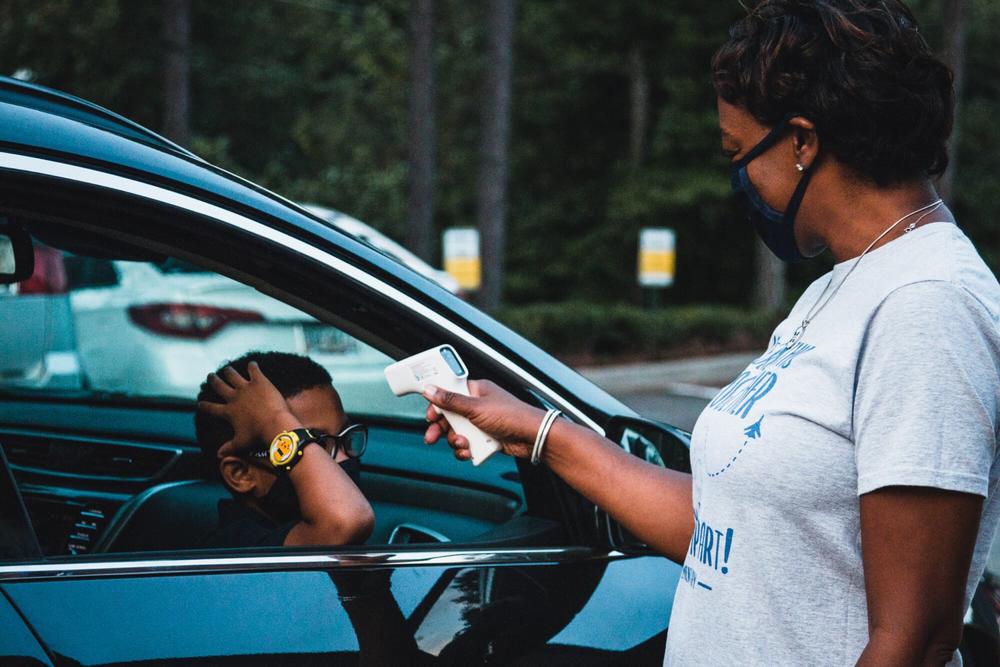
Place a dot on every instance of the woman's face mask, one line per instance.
(775, 228)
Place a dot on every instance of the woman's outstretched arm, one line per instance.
(653, 503)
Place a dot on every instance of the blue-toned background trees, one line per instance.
(613, 121)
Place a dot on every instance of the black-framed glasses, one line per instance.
(353, 441)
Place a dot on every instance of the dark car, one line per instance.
(500, 563)
(106, 505)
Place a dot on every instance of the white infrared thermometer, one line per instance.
(442, 367)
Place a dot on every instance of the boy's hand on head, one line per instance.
(253, 407)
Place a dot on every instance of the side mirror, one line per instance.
(652, 441)
(656, 443)
(17, 256)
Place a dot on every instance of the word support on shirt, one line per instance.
(710, 547)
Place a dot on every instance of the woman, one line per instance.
(845, 486)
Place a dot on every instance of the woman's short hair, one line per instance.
(859, 69)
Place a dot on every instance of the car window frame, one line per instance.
(161, 196)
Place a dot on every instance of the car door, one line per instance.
(510, 599)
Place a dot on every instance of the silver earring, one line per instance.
(798, 165)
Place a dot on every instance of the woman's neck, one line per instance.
(855, 216)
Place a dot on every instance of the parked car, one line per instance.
(385, 245)
(105, 505)
(174, 322)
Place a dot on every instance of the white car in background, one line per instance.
(384, 244)
(173, 323)
(157, 329)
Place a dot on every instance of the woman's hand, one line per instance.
(513, 423)
(253, 407)
(623, 485)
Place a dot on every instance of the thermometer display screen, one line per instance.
(451, 359)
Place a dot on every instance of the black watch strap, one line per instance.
(285, 450)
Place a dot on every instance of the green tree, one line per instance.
(420, 229)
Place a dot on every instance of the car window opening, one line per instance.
(98, 330)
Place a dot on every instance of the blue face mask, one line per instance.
(775, 228)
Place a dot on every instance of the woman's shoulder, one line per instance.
(940, 319)
(940, 268)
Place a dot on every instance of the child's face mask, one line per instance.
(282, 504)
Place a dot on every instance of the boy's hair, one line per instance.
(289, 373)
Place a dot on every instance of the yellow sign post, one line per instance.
(461, 257)
(657, 257)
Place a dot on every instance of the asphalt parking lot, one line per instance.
(670, 391)
(676, 409)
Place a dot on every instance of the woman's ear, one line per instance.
(806, 141)
(238, 475)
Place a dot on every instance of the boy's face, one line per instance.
(318, 408)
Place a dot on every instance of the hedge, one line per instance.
(585, 332)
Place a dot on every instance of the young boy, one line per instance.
(257, 423)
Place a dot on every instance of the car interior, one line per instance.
(112, 466)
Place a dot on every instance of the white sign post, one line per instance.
(461, 257)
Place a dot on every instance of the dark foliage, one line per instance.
(309, 97)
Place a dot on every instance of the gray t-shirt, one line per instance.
(895, 382)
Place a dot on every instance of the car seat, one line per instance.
(170, 516)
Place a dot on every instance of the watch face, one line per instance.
(283, 448)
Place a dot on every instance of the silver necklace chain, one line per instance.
(821, 303)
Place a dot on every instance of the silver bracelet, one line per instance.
(543, 433)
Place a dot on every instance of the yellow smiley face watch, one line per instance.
(285, 450)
